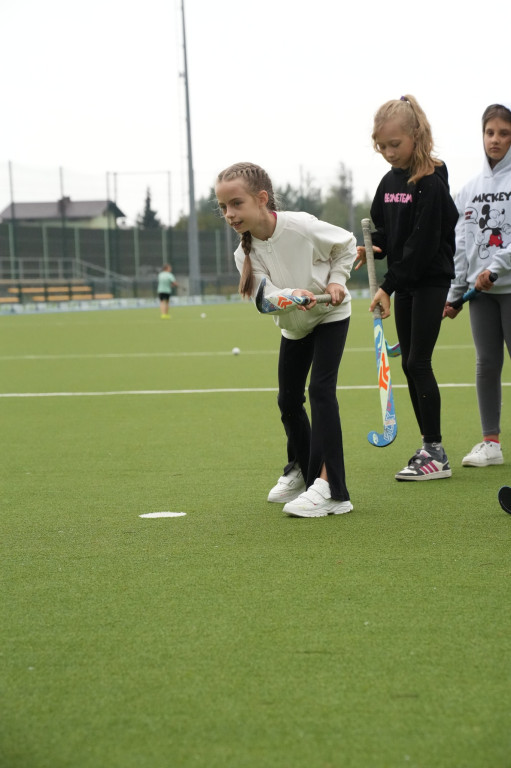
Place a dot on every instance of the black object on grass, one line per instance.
(505, 498)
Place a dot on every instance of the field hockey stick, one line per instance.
(469, 295)
(282, 302)
(394, 350)
(382, 366)
(505, 498)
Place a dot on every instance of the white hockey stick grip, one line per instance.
(371, 270)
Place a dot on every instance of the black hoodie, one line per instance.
(415, 229)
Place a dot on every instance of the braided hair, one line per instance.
(256, 180)
(414, 122)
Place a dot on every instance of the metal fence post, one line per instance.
(77, 252)
(136, 251)
(107, 250)
(12, 249)
(45, 252)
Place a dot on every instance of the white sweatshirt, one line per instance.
(303, 253)
(483, 232)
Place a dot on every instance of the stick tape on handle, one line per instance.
(371, 270)
(322, 298)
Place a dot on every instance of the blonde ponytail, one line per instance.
(414, 122)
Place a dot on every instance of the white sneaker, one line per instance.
(288, 486)
(483, 455)
(317, 502)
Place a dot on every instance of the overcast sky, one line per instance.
(96, 88)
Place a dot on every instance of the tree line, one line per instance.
(337, 206)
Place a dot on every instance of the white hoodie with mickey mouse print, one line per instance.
(483, 232)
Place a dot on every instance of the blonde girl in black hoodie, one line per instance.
(414, 219)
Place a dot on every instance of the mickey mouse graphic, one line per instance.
(492, 221)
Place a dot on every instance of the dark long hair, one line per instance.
(496, 110)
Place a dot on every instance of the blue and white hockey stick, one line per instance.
(469, 295)
(380, 440)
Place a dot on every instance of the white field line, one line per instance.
(128, 355)
(219, 391)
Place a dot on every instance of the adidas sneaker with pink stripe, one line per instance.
(423, 466)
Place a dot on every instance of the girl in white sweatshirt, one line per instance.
(483, 247)
(298, 254)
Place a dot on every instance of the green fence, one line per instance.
(49, 252)
(126, 261)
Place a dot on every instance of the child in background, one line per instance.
(483, 246)
(414, 217)
(166, 283)
(299, 255)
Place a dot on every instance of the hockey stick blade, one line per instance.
(394, 350)
(380, 440)
(282, 302)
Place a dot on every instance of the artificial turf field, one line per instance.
(234, 636)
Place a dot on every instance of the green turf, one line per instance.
(235, 636)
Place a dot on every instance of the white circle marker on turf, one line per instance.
(164, 514)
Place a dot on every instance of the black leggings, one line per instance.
(418, 319)
(309, 446)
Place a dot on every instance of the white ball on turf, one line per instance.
(236, 350)
(203, 314)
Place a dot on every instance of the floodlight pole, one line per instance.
(63, 215)
(13, 251)
(193, 233)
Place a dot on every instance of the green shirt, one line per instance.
(165, 282)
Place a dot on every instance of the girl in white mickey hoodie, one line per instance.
(483, 247)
